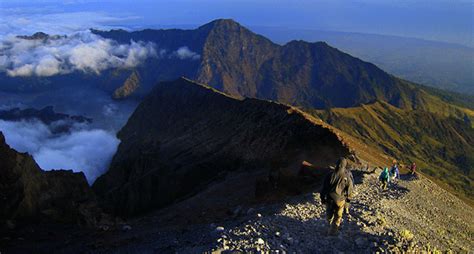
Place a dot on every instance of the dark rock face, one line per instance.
(29, 194)
(185, 135)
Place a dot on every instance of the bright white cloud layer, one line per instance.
(185, 53)
(82, 149)
(82, 51)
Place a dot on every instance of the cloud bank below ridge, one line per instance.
(82, 51)
(82, 149)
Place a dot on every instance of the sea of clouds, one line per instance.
(82, 149)
(81, 51)
(75, 49)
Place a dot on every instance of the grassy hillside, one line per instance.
(441, 145)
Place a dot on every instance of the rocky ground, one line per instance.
(412, 215)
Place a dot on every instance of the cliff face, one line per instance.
(185, 135)
(29, 194)
(129, 86)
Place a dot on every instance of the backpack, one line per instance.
(384, 176)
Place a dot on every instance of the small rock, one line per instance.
(220, 229)
(277, 234)
(259, 215)
(126, 228)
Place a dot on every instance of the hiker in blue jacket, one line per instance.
(384, 178)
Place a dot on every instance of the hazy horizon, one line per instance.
(445, 21)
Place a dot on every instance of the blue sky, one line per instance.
(441, 20)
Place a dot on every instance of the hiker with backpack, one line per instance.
(336, 191)
(384, 178)
(394, 172)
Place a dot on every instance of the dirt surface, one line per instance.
(413, 214)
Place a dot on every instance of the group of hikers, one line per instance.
(388, 176)
(338, 187)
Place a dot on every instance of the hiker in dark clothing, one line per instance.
(384, 178)
(337, 188)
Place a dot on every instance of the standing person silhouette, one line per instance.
(337, 188)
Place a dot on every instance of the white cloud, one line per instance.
(81, 149)
(185, 53)
(82, 51)
(23, 70)
(54, 19)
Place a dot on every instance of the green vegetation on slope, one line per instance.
(442, 146)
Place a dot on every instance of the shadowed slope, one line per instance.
(185, 135)
(31, 194)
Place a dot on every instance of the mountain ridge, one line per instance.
(231, 70)
(184, 130)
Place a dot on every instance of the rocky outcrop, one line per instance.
(185, 135)
(47, 115)
(129, 86)
(40, 36)
(29, 194)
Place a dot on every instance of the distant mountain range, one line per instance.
(442, 65)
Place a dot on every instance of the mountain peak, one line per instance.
(228, 24)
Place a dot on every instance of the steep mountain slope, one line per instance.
(241, 63)
(185, 135)
(432, 63)
(30, 194)
(441, 146)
